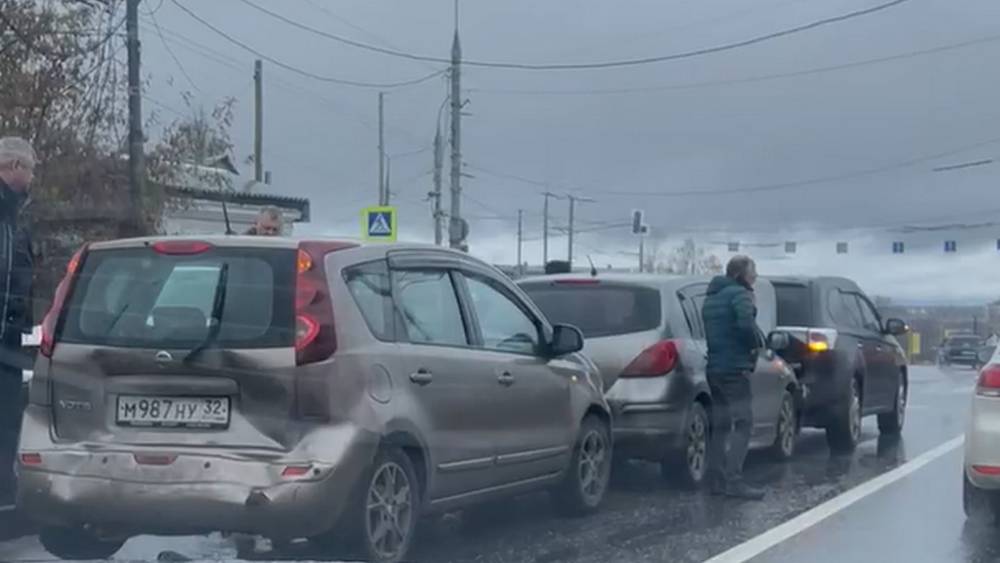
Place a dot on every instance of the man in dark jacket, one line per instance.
(729, 315)
(269, 223)
(17, 164)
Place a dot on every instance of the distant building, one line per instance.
(195, 204)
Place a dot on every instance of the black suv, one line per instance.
(847, 359)
(961, 349)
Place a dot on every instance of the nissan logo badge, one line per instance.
(163, 357)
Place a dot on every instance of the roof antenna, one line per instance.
(593, 269)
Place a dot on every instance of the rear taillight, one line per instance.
(315, 339)
(181, 247)
(659, 359)
(821, 340)
(47, 342)
(989, 381)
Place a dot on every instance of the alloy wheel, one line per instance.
(593, 465)
(855, 412)
(389, 510)
(697, 448)
(786, 427)
(901, 403)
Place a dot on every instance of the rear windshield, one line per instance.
(138, 298)
(599, 309)
(794, 304)
(964, 340)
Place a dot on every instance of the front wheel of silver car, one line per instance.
(77, 544)
(586, 479)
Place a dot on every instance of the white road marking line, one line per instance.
(759, 544)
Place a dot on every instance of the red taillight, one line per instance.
(315, 339)
(48, 337)
(155, 459)
(291, 471)
(989, 381)
(659, 359)
(181, 247)
(986, 469)
(31, 458)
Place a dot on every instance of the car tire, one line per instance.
(359, 534)
(981, 506)
(891, 423)
(689, 466)
(586, 479)
(783, 447)
(77, 544)
(844, 429)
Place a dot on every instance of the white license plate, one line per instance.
(173, 412)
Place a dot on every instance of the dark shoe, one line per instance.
(743, 491)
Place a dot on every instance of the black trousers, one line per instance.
(732, 424)
(11, 406)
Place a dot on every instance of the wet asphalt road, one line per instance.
(918, 518)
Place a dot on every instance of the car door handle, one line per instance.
(505, 378)
(422, 376)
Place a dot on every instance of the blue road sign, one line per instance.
(379, 223)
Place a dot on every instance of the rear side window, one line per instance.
(369, 284)
(794, 304)
(843, 309)
(598, 309)
(137, 298)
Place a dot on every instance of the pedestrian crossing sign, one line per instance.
(379, 223)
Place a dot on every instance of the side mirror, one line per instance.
(566, 339)
(896, 327)
(778, 341)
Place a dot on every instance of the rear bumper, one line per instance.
(982, 441)
(650, 415)
(200, 491)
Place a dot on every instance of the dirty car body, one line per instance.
(151, 413)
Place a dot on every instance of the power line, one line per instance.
(764, 187)
(296, 70)
(156, 24)
(590, 65)
(746, 80)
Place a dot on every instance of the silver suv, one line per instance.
(297, 389)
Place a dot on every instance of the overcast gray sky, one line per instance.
(836, 154)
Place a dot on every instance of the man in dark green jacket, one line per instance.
(730, 319)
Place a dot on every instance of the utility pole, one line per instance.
(456, 235)
(642, 249)
(436, 194)
(381, 152)
(136, 156)
(545, 229)
(572, 206)
(258, 121)
(388, 184)
(520, 239)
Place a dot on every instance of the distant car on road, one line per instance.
(961, 349)
(645, 334)
(846, 357)
(291, 389)
(981, 475)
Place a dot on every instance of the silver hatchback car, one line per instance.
(645, 334)
(297, 389)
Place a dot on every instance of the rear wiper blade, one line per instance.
(215, 321)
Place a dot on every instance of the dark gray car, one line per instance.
(645, 334)
(315, 389)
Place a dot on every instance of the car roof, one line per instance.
(623, 278)
(267, 242)
(805, 280)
